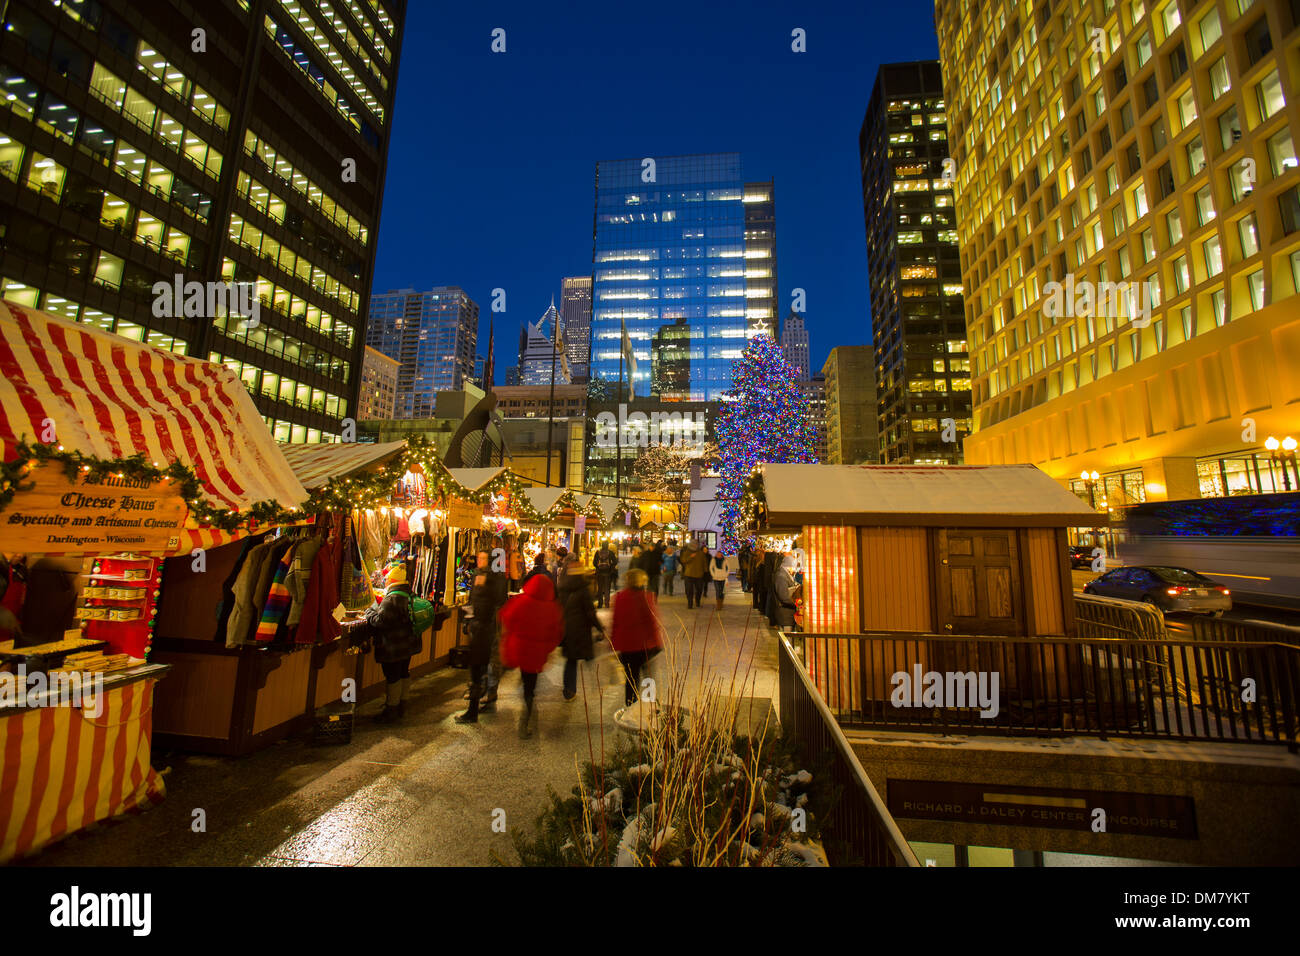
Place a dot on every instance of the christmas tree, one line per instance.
(764, 419)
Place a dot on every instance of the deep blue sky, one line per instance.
(492, 161)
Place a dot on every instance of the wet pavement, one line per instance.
(426, 791)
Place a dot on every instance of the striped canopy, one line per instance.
(316, 464)
(110, 397)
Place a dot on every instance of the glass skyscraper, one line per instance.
(128, 159)
(433, 334)
(685, 256)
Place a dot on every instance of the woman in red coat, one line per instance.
(531, 627)
(635, 634)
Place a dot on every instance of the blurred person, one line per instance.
(606, 565)
(635, 631)
(532, 627)
(387, 627)
(695, 569)
(670, 565)
(719, 571)
(485, 600)
(579, 611)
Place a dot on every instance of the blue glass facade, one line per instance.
(684, 255)
(433, 334)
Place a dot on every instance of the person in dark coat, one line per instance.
(388, 628)
(575, 593)
(651, 562)
(635, 633)
(485, 600)
(532, 628)
(539, 567)
(606, 565)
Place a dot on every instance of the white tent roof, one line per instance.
(316, 464)
(921, 495)
(474, 478)
(543, 499)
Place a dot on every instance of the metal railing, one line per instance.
(1096, 616)
(860, 830)
(1217, 629)
(1237, 692)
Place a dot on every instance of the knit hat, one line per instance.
(397, 575)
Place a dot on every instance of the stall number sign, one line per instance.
(101, 514)
(464, 514)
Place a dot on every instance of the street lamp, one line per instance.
(1090, 482)
(1282, 454)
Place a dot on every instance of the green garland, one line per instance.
(370, 489)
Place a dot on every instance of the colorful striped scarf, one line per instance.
(278, 600)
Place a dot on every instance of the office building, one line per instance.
(851, 435)
(1144, 144)
(378, 385)
(433, 334)
(914, 271)
(794, 344)
(537, 401)
(132, 163)
(814, 392)
(685, 258)
(575, 323)
(540, 362)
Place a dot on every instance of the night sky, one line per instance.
(492, 162)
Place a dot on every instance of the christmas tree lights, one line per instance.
(763, 420)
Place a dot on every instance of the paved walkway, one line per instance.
(426, 792)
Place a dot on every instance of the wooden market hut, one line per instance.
(936, 550)
(952, 569)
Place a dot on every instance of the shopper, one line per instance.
(484, 602)
(532, 628)
(743, 562)
(539, 567)
(719, 571)
(650, 563)
(575, 593)
(635, 633)
(606, 564)
(388, 628)
(669, 567)
(498, 589)
(695, 569)
(784, 588)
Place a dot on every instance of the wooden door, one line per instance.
(979, 582)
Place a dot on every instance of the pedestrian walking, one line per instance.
(579, 613)
(695, 569)
(743, 562)
(532, 628)
(485, 600)
(388, 629)
(606, 565)
(650, 564)
(670, 565)
(635, 632)
(719, 571)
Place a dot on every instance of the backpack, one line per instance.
(422, 615)
(605, 560)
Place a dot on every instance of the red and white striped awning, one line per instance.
(111, 397)
(316, 464)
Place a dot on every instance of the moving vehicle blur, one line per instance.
(1168, 588)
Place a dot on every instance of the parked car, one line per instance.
(1169, 589)
(1080, 556)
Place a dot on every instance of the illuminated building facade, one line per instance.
(378, 385)
(684, 255)
(850, 389)
(433, 334)
(1147, 143)
(129, 157)
(923, 400)
(575, 323)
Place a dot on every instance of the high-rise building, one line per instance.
(814, 392)
(539, 360)
(794, 344)
(575, 323)
(1128, 202)
(433, 334)
(133, 164)
(851, 436)
(378, 385)
(685, 257)
(914, 270)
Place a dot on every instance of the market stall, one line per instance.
(113, 455)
